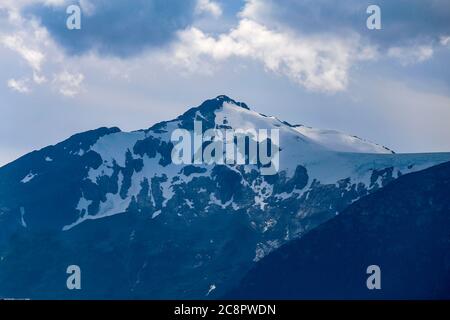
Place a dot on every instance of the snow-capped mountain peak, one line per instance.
(126, 183)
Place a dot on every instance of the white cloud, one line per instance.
(18, 4)
(208, 6)
(445, 40)
(19, 85)
(32, 56)
(316, 62)
(39, 79)
(87, 7)
(411, 54)
(68, 84)
(257, 10)
(33, 44)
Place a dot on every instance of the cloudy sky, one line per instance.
(312, 62)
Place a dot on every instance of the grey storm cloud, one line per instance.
(403, 21)
(124, 28)
(117, 27)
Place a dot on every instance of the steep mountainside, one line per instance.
(403, 228)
